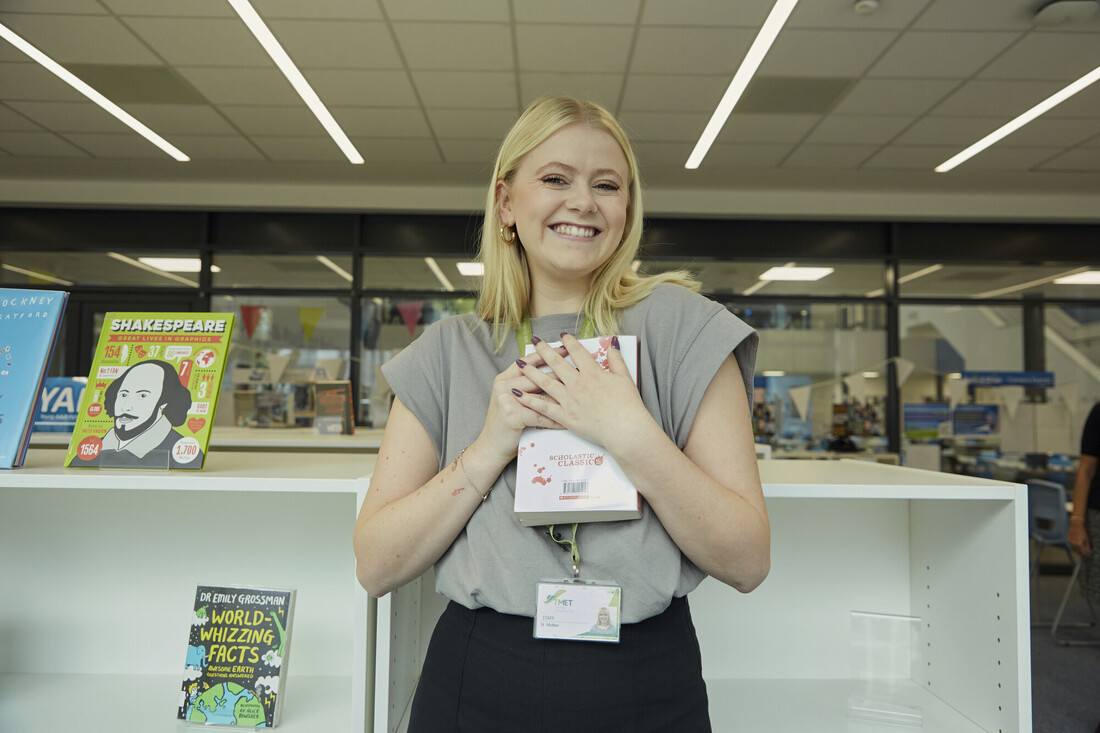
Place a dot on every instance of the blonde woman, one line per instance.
(563, 220)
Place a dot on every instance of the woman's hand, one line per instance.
(509, 413)
(601, 406)
(1079, 538)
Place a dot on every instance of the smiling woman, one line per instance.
(562, 226)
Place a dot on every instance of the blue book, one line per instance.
(29, 323)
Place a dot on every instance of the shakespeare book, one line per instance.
(237, 653)
(152, 391)
(29, 322)
(562, 477)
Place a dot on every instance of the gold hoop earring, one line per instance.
(504, 229)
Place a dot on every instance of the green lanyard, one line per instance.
(523, 338)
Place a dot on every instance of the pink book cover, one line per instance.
(561, 477)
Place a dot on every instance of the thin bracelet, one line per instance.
(1076, 519)
(459, 462)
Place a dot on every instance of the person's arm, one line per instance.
(708, 496)
(413, 511)
(1078, 537)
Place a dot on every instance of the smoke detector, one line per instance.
(1065, 11)
(865, 7)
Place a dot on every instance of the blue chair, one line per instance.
(1048, 526)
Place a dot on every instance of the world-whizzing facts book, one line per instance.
(237, 654)
(29, 322)
(152, 391)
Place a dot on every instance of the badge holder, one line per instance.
(577, 610)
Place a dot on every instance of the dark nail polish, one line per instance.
(615, 342)
(521, 363)
(564, 334)
(516, 392)
(535, 339)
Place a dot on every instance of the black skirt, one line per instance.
(485, 672)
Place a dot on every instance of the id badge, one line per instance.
(578, 610)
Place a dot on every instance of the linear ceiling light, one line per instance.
(35, 275)
(741, 79)
(69, 78)
(150, 268)
(335, 268)
(471, 269)
(1029, 284)
(177, 264)
(1020, 121)
(290, 71)
(1092, 277)
(803, 274)
(907, 278)
(431, 263)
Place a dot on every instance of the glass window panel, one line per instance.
(743, 278)
(416, 273)
(66, 269)
(1072, 352)
(279, 344)
(935, 280)
(281, 271)
(390, 325)
(838, 352)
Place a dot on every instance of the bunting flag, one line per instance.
(250, 316)
(410, 314)
(310, 317)
(276, 365)
(905, 370)
(1067, 393)
(800, 398)
(1011, 396)
(857, 387)
(957, 388)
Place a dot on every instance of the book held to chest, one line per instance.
(564, 478)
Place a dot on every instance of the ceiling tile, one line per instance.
(243, 86)
(1051, 132)
(707, 13)
(1002, 158)
(343, 88)
(60, 7)
(1062, 56)
(108, 145)
(911, 157)
(450, 46)
(471, 151)
(844, 157)
(342, 9)
(337, 44)
(577, 12)
(395, 150)
(601, 88)
(679, 92)
(466, 90)
(300, 148)
(70, 116)
(258, 119)
(824, 52)
(690, 50)
(182, 119)
(1085, 103)
(1080, 159)
(841, 15)
(998, 99)
(573, 48)
(977, 15)
(32, 82)
(10, 120)
(201, 41)
(191, 8)
(857, 130)
(394, 122)
(933, 54)
(473, 124)
(665, 126)
(216, 147)
(484, 11)
(746, 156)
(749, 128)
(894, 96)
(65, 38)
(38, 144)
(961, 131)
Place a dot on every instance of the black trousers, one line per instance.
(485, 672)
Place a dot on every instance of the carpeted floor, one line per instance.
(1065, 680)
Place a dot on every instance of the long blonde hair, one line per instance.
(505, 292)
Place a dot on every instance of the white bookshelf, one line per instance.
(846, 535)
(100, 569)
